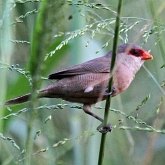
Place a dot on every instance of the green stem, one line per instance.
(108, 101)
(6, 48)
(35, 66)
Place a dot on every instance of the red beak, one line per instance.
(146, 56)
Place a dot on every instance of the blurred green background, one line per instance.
(74, 32)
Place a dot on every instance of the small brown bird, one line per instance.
(87, 83)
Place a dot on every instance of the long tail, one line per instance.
(26, 97)
(19, 100)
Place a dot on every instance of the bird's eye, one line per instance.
(135, 52)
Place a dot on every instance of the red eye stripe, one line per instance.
(136, 52)
(140, 53)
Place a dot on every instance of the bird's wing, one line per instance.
(98, 65)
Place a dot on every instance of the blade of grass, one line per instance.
(6, 48)
(108, 101)
(35, 67)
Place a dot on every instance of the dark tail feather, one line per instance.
(19, 100)
(26, 97)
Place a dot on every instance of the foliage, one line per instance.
(74, 31)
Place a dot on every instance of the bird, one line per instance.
(87, 83)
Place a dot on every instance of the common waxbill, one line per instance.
(87, 83)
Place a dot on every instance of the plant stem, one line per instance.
(108, 101)
(6, 48)
(35, 67)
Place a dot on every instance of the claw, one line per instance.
(104, 128)
(109, 93)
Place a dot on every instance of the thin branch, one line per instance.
(108, 101)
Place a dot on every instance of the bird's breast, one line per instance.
(122, 78)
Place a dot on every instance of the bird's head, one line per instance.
(132, 56)
(136, 51)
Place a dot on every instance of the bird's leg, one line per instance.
(101, 128)
(87, 109)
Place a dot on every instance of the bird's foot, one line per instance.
(104, 128)
(107, 93)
